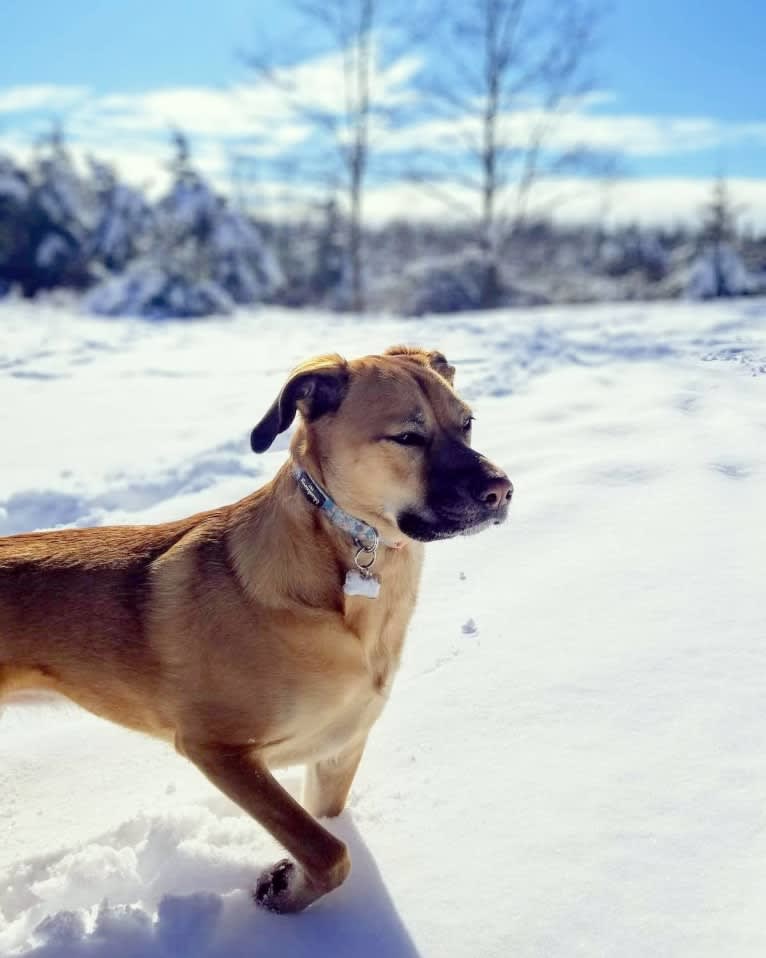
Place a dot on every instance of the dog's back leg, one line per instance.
(328, 782)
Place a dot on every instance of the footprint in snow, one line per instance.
(733, 470)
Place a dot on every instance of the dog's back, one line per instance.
(82, 594)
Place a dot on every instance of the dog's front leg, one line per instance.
(328, 782)
(322, 860)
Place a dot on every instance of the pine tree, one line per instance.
(718, 234)
(719, 269)
(15, 192)
(122, 223)
(201, 256)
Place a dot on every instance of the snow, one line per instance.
(573, 760)
(155, 292)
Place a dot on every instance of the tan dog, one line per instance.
(251, 636)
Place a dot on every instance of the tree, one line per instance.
(48, 214)
(718, 269)
(718, 233)
(507, 73)
(719, 216)
(123, 220)
(202, 256)
(328, 252)
(340, 134)
(15, 193)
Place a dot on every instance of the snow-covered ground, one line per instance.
(573, 761)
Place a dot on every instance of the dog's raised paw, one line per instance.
(273, 886)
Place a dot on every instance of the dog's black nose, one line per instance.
(495, 491)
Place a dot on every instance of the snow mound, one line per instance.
(448, 284)
(158, 292)
(179, 884)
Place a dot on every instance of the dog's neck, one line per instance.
(318, 493)
(278, 520)
(363, 535)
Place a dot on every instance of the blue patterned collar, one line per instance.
(365, 537)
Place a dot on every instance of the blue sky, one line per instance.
(663, 66)
(687, 58)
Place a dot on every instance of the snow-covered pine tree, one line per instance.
(15, 192)
(204, 256)
(718, 269)
(59, 220)
(46, 213)
(123, 220)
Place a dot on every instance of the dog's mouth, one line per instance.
(429, 525)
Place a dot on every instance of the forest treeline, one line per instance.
(192, 252)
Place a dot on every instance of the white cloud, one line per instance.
(631, 135)
(267, 115)
(319, 83)
(198, 111)
(273, 113)
(648, 135)
(18, 99)
(193, 109)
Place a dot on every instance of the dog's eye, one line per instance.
(467, 422)
(408, 439)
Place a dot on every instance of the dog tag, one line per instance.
(358, 584)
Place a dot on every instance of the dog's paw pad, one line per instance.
(273, 884)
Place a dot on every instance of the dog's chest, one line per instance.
(380, 623)
(381, 644)
(331, 715)
(376, 628)
(344, 706)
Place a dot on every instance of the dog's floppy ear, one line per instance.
(315, 388)
(427, 357)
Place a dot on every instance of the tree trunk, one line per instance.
(359, 119)
(489, 156)
(355, 256)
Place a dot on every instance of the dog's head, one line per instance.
(391, 441)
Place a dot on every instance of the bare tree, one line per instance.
(508, 71)
(338, 156)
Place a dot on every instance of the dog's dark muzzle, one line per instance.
(466, 492)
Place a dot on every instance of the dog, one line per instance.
(266, 633)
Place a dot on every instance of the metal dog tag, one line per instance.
(358, 584)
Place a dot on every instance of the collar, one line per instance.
(365, 536)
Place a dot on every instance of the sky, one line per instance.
(679, 92)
